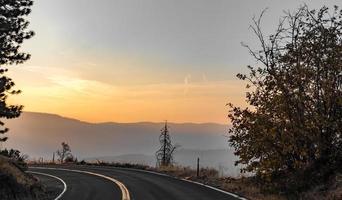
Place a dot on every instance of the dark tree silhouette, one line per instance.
(165, 154)
(13, 32)
(64, 153)
(291, 135)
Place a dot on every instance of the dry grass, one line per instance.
(245, 187)
(8, 168)
(16, 184)
(241, 186)
(188, 173)
(331, 192)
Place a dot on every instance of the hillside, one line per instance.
(16, 184)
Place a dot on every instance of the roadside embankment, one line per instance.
(16, 184)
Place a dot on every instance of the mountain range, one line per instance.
(41, 134)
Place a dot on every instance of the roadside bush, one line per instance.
(16, 157)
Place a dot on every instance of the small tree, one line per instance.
(165, 154)
(291, 135)
(64, 153)
(13, 32)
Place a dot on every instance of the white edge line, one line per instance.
(214, 188)
(61, 180)
(124, 190)
(198, 183)
(161, 174)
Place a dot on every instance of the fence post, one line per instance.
(198, 167)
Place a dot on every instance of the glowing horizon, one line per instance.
(201, 101)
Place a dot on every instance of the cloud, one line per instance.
(204, 77)
(89, 89)
(187, 80)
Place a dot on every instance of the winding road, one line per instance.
(102, 183)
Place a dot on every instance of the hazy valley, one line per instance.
(39, 135)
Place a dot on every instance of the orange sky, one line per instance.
(128, 61)
(53, 90)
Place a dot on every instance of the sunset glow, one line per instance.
(129, 61)
(95, 101)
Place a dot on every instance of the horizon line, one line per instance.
(135, 122)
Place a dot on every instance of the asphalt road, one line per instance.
(52, 186)
(82, 186)
(141, 185)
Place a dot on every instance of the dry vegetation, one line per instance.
(16, 184)
(242, 186)
(332, 191)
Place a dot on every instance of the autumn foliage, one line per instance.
(290, 136)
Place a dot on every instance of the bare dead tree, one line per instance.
(165, 154)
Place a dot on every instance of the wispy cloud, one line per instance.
(204, 77)
(187, 80)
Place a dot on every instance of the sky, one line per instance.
(142, 60)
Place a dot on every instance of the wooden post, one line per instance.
(198, 167)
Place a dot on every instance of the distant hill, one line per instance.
(40, 134)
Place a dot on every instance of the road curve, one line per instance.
(54, 187)
(141, 185)
(83, 186)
